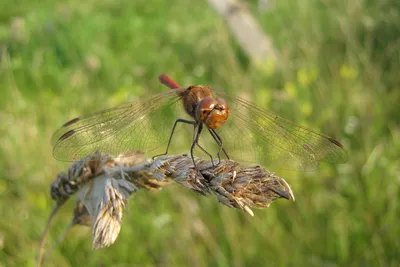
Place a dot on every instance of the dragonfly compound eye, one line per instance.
(204, 108)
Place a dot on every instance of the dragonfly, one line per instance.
(236, 128)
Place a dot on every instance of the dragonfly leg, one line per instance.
(172, 133)
(195, 142)
(203, 149)
(218, 139)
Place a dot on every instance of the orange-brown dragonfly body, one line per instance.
(252, 134)
(200, 104)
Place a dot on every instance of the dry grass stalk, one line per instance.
(104, 184)
(246, 30)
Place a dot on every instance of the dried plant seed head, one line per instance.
(105, 184)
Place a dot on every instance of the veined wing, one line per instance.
(255, 135)
(143, 125)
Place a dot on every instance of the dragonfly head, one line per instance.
(213, 112)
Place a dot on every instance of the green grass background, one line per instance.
(338, 72)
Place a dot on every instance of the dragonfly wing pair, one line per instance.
(252, 134)
(143, 125)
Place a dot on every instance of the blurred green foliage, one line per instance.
(338, 72)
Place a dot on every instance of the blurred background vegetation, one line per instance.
(338, 72)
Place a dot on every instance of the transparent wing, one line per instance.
(255, 135)
(143, 125)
